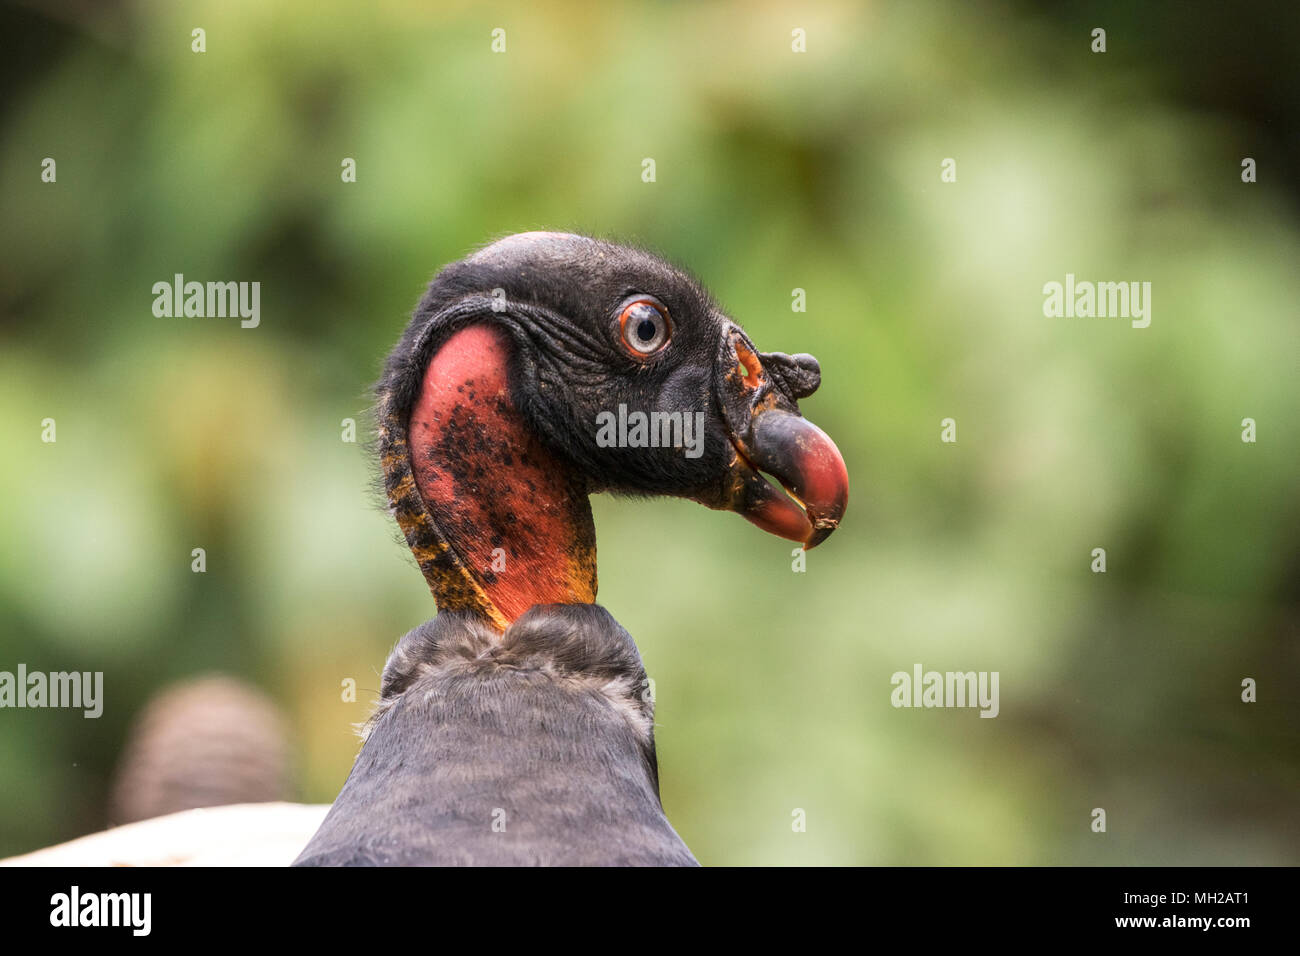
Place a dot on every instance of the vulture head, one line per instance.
(546, 367)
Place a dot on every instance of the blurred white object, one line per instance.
(245, 834)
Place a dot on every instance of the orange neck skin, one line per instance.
(513, 514)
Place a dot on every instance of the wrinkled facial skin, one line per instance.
(559, 298)
(580, 370)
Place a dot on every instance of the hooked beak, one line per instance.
(809, 467)
(769, 435)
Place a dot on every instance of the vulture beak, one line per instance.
(757, 393)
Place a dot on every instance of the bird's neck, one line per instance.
(511, 523)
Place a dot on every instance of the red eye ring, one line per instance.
(644, 329)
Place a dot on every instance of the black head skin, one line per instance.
(559, 296)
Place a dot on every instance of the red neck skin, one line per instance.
(515, 516)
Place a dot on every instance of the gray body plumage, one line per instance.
(532, 747)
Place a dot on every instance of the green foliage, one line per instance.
(774, 171)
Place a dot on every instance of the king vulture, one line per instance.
(516, 726)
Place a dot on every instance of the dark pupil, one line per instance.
(645, 330)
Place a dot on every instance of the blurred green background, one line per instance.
(775, 171)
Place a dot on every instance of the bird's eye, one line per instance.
(643, 326)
